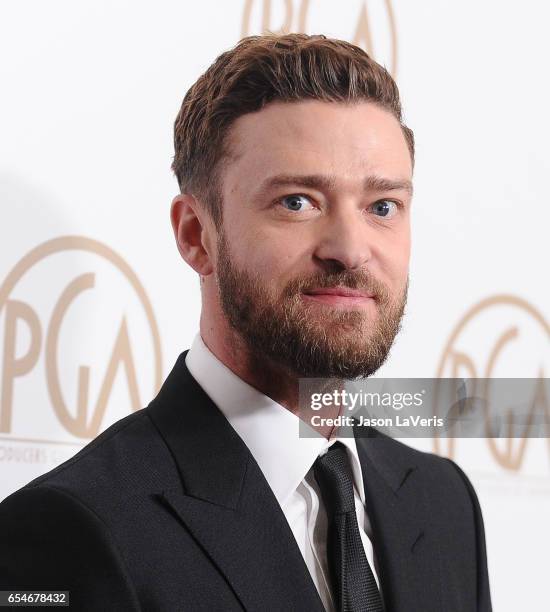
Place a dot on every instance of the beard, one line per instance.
(310, 340)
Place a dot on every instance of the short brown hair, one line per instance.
(263, 69)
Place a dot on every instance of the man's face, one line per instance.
(312, 260)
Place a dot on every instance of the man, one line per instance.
(295, 172)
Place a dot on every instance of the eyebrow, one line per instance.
(327, 183)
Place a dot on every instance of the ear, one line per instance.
(194, 234)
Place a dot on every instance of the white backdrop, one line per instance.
(95, 303)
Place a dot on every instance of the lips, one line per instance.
(340, 291)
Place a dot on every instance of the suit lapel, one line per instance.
(226, 503)
(406, 549)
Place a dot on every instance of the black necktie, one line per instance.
(354, 585)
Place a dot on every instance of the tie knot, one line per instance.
(333, 473)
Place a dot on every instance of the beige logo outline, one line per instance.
(83, 282)
(362, 36)
(507, 458)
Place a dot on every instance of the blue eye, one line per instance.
(294, 202)
(384, 208)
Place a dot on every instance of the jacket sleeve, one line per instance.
(50, 540)
(483, 591)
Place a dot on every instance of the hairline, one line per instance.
(229, 155)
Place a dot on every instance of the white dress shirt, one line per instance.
(271, 433)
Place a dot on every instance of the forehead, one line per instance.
(346, 140)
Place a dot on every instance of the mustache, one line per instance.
(358, 280)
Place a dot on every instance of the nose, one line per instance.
(345, 241)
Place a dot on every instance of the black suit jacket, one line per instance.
(168, 510)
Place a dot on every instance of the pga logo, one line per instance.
(501, 337)
(79, 343)
(369, 24)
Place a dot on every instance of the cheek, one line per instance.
(270, 254)
(394, 258)
(273, 264)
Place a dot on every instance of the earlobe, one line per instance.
(190, 232)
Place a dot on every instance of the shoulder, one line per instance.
(442, 475)
(443, 482)
(51, 540)
(125, 462)
(61, 529)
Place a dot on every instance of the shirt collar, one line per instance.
(268, 429)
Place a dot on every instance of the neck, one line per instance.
(268, 377)
(263, 374)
